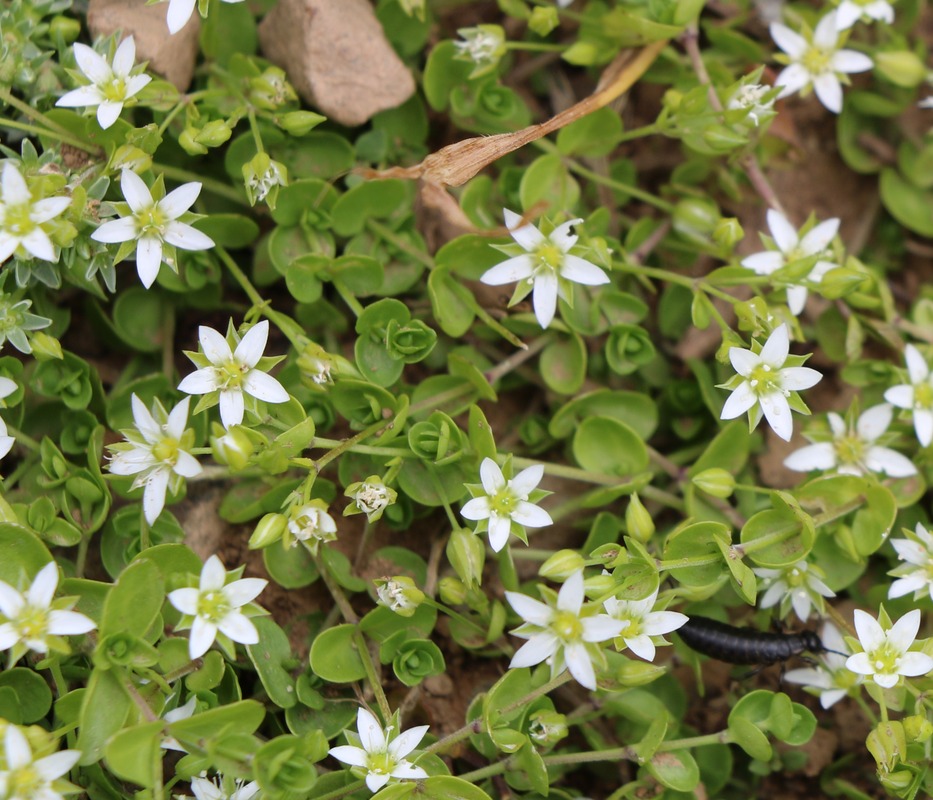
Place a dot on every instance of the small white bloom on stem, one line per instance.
(887, 653)
(505, 502)
(916, 396)
(156, 451)
(791, 247)
(216, 607)
(370, 497)
(817, 61)
(153, 224)
(831, 680)
(21, 218)
(111, 84)
(560, 635)
(206, 789)
(27, 778)
(642, 623)
(854, 449)
(31, 621)
(547, 266)
(799, 586)
(767, 384)
(751, 97)
(233, 372)
(851, 11)
(311, 524)
(379, 757)
(916, 575)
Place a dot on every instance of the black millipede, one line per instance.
(746, 645)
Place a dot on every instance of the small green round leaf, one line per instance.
(609, 446)
(334, 656)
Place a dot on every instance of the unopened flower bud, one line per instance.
(901, 67)
(544, 19)
(599, 585)
(562, 565)
(638, 521)
(233, 447)
(917, 728)
(399, 594)
(452, 591)
(298, 123)
(467, 555)
(896, 782)
(370, 497)
(64, 27)
(314, 366)
(214, 133)
(268, 531)
(638, 673)
(45, 347)
(696, 218)
(311, 524)
(728, 232)
(546, 728)
(190, 144)
(126, 156)
(715, 481)
(262, 178)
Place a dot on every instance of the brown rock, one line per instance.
(172, 57)
(337, 56)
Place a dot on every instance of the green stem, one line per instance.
(36, 131)
(216, 187)
(375, 429)
(56, 130)
(23, 439)
(371, 674)
(254, 127)
(638, 133)
(536, 47)
(348, 297)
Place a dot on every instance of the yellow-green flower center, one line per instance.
(32, 622)
(550, 256)
(17, 219)
(115, 90)
(380, 763)
(25, 783)
(764, 380)
(923, 395)
(886, 659)
(151, 221)
(503, 503)
(213, 606)
(231, 374)
(795, 578)
(849, 450)
(816, 60)
(166, 451)
(567, 626)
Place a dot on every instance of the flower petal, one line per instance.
(15, 190)
(511, 270)
(185, 600)
(903, 632)
(69, 623)
(777, 412)
(581, 271)
(889, 462)
(741, 400)
(527, 480)
(125, 57)
(658, 623)
(372, 737)
(829, 91)
(253, 344)
(764, 263)
(819, 238)
(243, 591)
(562, 236)
(530, 515)
(154, 493)
(201, 381)
(354, 756)
(529, 609)
(580, 666)
(641, 646)
(923, 426)
(179, 12)
(213, 575)
(264, 387)
(795, 379)
(92, 64)
(82, 96)
(914, 664)
(601, 628)
(783, 233)
(825, 35)
(491, 476)
(115, 231)
(545, 297)
(791, 43)
(526, 234)
(108, 112)
(238, 628)
(775, 350)
(407, 741)
(815, 456)
(570, 596)
(201, 637)
(870, 634)
(135, 191)
(186, 237)
(537, 649)
(850, 61)
(793, 79)
(476, 509)
(37, 243)
(179, 200)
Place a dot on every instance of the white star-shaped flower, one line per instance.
(818, 62)
(156, 451)
(153, 224)
(887, 653)
(560, 635)
(751, 97)
(506, 502)
(547, 267)
(851, 11)
(311, 524)
(832, 681)
(21, 218)
(799, 586)
(206, 789)
(111, 84)
(31, 621)
(28, 778)
(917, 396)
(233, 373)
(915, 576)
(380, 758)
(215, 607)
(767, 384)
(790, 247)
(642, 623)
(853, 451)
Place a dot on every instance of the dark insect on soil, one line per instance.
(746, 645)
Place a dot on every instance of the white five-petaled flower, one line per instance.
(215, 607)
(206, 789)
(832, 680)
(379, 757)
(642, 622)
(916, 575)
(311, 524)
(546, 267)
(887, 653)
(818, 62)
(767, 383)
(28, 778)
(851, 11)
(751, 97)
(853, 451)
(506, 502)
(917, 396)
(791, 247)
(233, 372)
(7, 387)
(799, 586)
(559, 635)
(111, 84)
(30, 621)
(21, 218)
(153, 224)
(156, 451)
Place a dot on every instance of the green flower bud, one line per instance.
(638, 521)
(399, 594)
(722, 139)
(45, 347)
(547, 728)
(467, 555)
(271, 90)
(127, 156)
(728, 233)
(888, 744)
(190, 144)
(896, 782)
(65, 28)
(696, 218)
(262, 178)
(452, 591)
(715, 481)
(638, 673)
(843, 281)
(917, 728)
(214, 133)
(298, 123)
(370, 497)
(598, 585)
(314, 366)
(268, 531)
(562, 565)
(901, 67)
(610, 555)
(233, 447)
(752, 315)
(543, 20)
